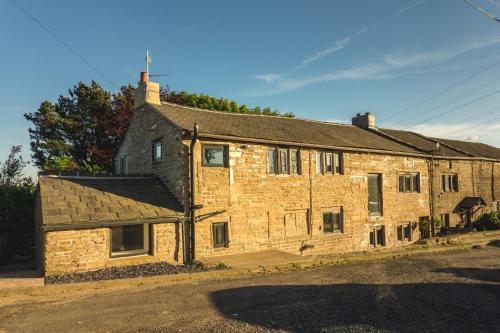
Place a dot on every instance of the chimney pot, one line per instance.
(144, 77)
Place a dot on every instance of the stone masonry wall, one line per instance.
(89, 249)
(272, 211)
(474, 180)
(146, 126)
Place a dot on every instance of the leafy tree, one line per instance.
(12, 170)
(83, 130)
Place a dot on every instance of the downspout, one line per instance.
(431, 185)
(310, 196)
(192, 211)
(493, 196)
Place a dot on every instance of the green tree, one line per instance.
(12, 170)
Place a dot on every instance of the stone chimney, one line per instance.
(146, 92)
(366, 120)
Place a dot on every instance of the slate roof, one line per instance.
(88, 200)
(277, 128)
(422, 142)
(309, 132)
(471, 202)
(475, 148)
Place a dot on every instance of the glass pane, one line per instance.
(416, 183)
(336, 160)
(400, 233)
(328, 163)
(127, 238)
(271, 161)
(407, 183)
(283, 161)
(213, 156)
(443, 183)
(319, 164)
(448, 183)
(336, 222)
(219, 234)
(374, 193)
(158, 151)
(401, 183)
(327, 222)
(407, 232)
(294, 165)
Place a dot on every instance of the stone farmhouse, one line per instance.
(193, 183)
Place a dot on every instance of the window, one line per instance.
(272, 161)
(294, 161)
(375, 194)
(283, 160)
(157, 150)
(404, 232)
(214, 156)
(409, 182)
(337, 159)
(319, 163)
(129, 240)
(332, 222)
(445, 220)
(123, 165)
(449, 183)
(219, 234)
(329, 163)
(377, 236)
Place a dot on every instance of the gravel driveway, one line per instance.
(446, 292)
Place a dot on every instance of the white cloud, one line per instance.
(474, 132)
(339, 45)
(390, 66)
(268, 78)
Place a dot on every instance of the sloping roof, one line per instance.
(421, 142)
(475, 148)
(88, 200)
(471, 202)
(277, 128)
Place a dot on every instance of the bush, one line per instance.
(16, 221)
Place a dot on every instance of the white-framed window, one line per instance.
(130, 240)
(220, 235)
(409, 182)
(449, 183)
(283, 161)
(375, 194)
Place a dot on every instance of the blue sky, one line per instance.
(428, 66)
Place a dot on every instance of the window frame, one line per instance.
(225, 229)
(147, 242)
(414, 182)
(331, 214)
(374, 236)
(155, 143)
(336, 160)
(225, 155)
(287, 162)
(449, 183)
(291, 152)
(380, 211)
(404, 232)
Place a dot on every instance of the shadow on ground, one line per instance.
(359, 307)
(481, 274)
(495, 243)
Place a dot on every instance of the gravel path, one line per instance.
(446, 292)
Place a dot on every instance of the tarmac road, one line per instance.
(445, 292)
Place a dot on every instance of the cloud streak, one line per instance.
(390, 66)
(340, 44)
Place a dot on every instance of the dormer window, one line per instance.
(157, 151)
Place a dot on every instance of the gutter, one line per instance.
(340, 148)
(192, 209)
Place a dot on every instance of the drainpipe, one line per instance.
(192, 211)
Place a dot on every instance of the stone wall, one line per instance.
(89, 249)
(286, 211)
(476, 179)
(148, 125)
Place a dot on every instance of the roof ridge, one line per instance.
(257, 115)
(447, 145)
(390, 137)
